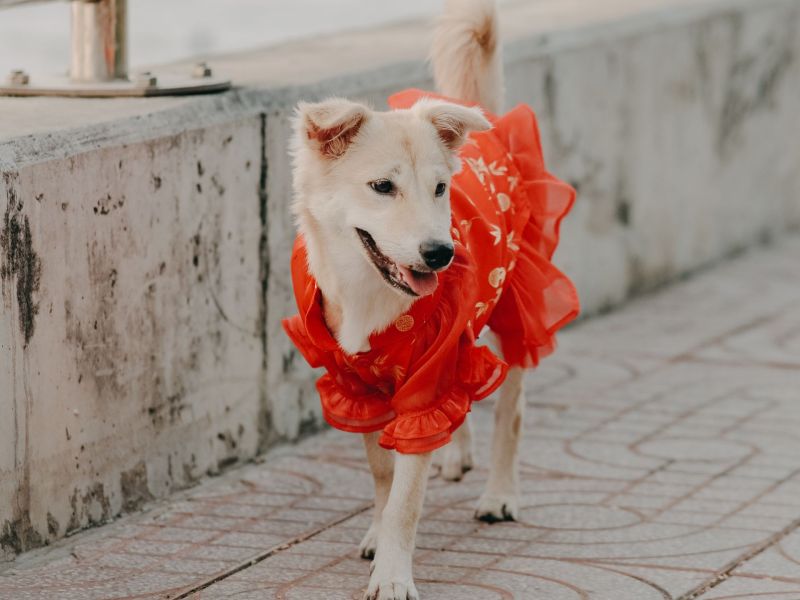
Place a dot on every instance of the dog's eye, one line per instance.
(383, 186)
(441, 188)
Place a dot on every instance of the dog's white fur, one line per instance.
(339, 148)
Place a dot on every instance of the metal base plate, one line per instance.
(166, 85)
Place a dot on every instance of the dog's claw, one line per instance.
(368, 545)
(495, 509)
(368, 553)
(455, 462)
(394, 590)
(487, 518)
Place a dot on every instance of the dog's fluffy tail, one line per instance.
(466, 58)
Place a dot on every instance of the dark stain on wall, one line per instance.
(19, 261)
(265, 428)
(135, 490)
(623, 202)
(52, 526)
(94, 508)
(19, 535)
(288, 360)
(753, 80)
(107, 204)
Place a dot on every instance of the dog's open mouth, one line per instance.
(412, 282)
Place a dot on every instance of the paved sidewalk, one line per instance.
(661, 460)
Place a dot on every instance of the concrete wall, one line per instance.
(131, 332)
(145, 243)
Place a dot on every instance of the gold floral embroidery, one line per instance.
(376, 368)
(478, 166)
(504, 201)
(398, 373)
(379, 369)
(496, 233)
(497, 277)
(404, 323)
(511, 244)
(496, 169)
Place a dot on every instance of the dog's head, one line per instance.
(380, 182)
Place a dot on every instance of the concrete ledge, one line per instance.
(146, 242)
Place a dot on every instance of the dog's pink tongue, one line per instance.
(422, 284)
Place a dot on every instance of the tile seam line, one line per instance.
(208, 582)
(722, 576)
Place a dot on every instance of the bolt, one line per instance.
(19, 77)
(201, 70)
(146, 80)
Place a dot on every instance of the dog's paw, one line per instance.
(367, 547)
(391, 590)
(455, 461)
(391, 575)
(493, 508)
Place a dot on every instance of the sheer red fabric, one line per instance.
(420, 377)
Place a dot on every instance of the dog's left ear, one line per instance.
(453, 122)
(330, 127)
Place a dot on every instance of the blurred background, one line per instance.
(165, 31)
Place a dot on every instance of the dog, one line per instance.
(418, 228)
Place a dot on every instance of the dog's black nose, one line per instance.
(437, 255)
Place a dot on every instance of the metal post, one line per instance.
(99, 40)
(99, 62)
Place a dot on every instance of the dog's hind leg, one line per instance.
(500, 501)
(391, 570)
(381, 463)
(455, 458)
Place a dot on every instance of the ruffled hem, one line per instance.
(539, 299)
(426, 431)
(363, 414)
(479, 374)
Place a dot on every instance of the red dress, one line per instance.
(420, 376)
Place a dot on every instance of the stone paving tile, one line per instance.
(661, 460)
(747, 588)
(780, 561)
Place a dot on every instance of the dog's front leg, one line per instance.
(500, 501)
(391, 570)
(381, 463)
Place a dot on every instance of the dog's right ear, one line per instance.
(330, 127)
(453, 122)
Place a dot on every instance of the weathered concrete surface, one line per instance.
(681, 142)
(124, 379)
(660, 461)
(131, 327)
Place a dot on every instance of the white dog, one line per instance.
(394, 283)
